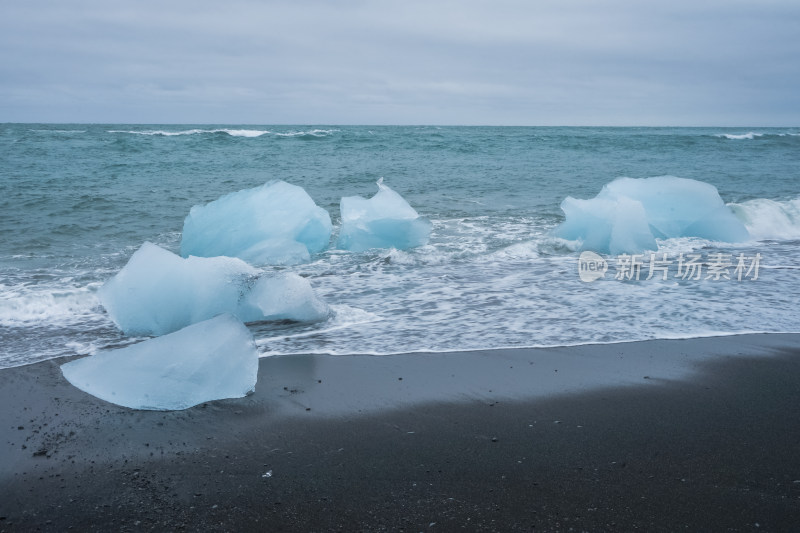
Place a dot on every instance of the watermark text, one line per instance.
(690, 266)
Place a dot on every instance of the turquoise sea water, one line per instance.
(77, 200)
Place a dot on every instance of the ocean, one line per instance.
(76, 201)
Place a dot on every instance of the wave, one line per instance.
(164, 133)
(344, 316)
(770, 219)
(752, 135)
(310, 134)
(57, 131)
(306, 134)
(738, 137)
(57, 306)
(243, 133)
(498, 349)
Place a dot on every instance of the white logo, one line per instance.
(591, 266)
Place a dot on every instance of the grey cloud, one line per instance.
(468, 62)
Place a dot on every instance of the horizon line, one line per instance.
(420, 125)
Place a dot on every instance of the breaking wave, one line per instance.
(48, 305)
(295, 134)
(752, 135)
(164, 133)
(770, 219)
(310, 134)
(57, 131)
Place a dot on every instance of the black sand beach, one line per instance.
(697, 435)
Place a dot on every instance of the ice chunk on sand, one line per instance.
(630, 214)
(384, 221)
(158, 292)
(276, 224)
(211, 360)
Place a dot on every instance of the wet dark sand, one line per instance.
(663, 435)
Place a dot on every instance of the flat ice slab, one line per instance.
(276, 223)
(211, 360)
(384, 221)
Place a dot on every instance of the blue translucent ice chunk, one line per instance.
(384, 221)
(276, 223)
(679, 207)
(630, 214)
(158, 292)
(607, 225)
(285, 296)
(211, 360)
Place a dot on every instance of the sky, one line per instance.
(468, 62)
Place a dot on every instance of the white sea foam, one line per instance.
(24, 305)
(57, 131)
(484, 283)
(82, 348)
(478, 294)
(738, 137)
(749, 136)
(770, 219)
(245, 133)
(314, 133)
(308, 133)
(164, 133)
(343, 317)
(527, 250)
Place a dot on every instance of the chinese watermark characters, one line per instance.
(690, 266)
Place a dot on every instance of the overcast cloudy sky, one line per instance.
(512, 62)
